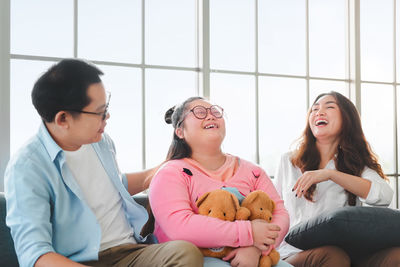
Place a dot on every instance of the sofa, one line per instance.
(8, 258)
(7, 252)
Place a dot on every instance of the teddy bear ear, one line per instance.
(201, 199)
(273, 205)
(250, 198)
(235, 202)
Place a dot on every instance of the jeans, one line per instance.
(214, 262)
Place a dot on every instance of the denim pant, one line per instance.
(214, 262)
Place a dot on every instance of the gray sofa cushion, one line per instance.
(359, 231)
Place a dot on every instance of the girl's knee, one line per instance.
(386, 257)
(327, 256)
(335, 256)
(393, 256)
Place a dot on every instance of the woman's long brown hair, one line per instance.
(353, 152)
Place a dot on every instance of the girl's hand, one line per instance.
(264, 233)
(308, 179)
(244, 257)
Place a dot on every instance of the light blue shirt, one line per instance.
(46, 210)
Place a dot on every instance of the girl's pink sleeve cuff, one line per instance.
(245, 233)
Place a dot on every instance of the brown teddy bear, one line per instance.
(261, 206)
(223, 205)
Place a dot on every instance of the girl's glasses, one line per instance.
(200, 112)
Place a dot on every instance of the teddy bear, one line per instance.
(223, 205)
(261, 206)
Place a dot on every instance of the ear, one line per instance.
(179, 132)
(273, 205)
(201, 199)
(235, 202)
(62, 119)
(250, 198)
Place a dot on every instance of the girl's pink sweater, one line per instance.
(173, 194)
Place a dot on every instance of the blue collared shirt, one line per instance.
(46, 209)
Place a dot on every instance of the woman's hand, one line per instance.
(357, 185)
(244, 257)
(308, 179)
(264, 233)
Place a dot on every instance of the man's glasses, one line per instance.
(200, 112)
(103, 114)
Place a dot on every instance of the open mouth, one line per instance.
(210, 126)
(321, 122)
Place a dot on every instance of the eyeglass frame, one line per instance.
(103, 114)
(192, 110)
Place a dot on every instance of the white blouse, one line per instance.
(327, 196)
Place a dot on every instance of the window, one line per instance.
(137, 69)
(380, 69)
(263, 61)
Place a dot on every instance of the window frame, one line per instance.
(203, 70)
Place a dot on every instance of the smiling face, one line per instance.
(201, 133)
(325, 119)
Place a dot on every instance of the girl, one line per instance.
(332, 167)
(196, 165)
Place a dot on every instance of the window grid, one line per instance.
(257, 148)
(395, 52)
(203, 51)
(395, 85)
(4, 87)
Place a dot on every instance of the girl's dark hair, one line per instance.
(353, 152)
(179, 148)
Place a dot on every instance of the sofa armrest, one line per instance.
(7, 252)
(142, 199)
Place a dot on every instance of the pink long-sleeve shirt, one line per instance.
(173, 194)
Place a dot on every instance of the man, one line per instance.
(67, 202)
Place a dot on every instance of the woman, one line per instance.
(196, 165)
(332, 167)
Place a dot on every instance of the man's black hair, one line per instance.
(64, 86)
